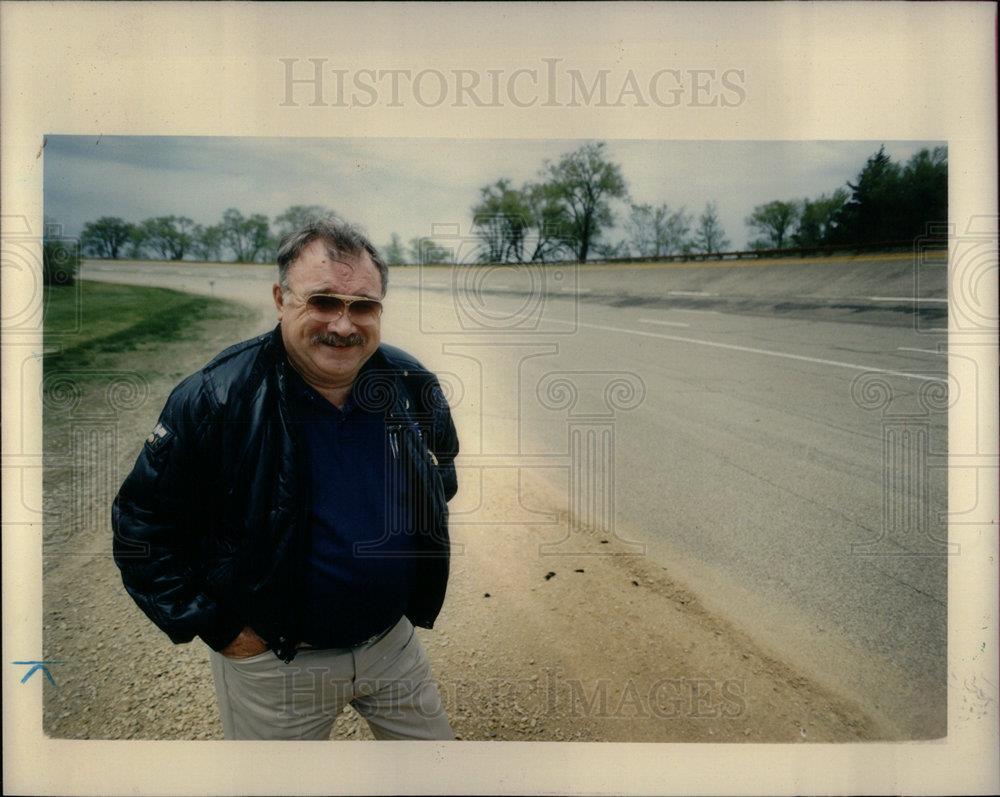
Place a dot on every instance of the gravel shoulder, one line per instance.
(597, 645)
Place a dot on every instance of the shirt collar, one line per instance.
(305, 392)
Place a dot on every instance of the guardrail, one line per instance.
(753, 254)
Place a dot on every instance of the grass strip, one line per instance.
(98, 318)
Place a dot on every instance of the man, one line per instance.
(290, 508)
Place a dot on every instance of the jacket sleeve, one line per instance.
(444, 438)
(155, 521)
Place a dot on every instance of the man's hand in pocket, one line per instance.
(247, 644)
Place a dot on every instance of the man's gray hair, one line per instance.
(340, 238)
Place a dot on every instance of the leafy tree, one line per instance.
(817, 218)
(206, 243)
(105, 237)
(181, 237)
(246, 236)
(550, 221)
(424, 251)
(514, 225)
(774, 221)
(154, 238)
(585, 181)
(297, 216)
(137, 240)
(709, 237)
(924, 192)
(501, 220)
(169, 236)
(656, 231)
(394, 253)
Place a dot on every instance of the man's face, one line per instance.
(328, 355)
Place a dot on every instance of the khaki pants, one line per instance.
(388, 682)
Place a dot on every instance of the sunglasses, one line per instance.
(329, 307)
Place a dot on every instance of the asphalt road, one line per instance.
(776, 443)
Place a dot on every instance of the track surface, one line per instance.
(777, 439)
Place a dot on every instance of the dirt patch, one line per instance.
(603, 645)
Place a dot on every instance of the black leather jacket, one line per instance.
(209, 526)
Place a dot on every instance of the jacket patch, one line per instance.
(158, 438)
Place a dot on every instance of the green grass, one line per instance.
(94, 318)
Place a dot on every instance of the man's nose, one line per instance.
(342, 326)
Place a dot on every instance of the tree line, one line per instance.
(239, 238)
(236, 238)
(568, 213)
(888, 202)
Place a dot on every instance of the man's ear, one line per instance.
(279, 299)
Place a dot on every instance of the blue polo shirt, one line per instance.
(358, 573)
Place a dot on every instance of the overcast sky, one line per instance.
(409, 186)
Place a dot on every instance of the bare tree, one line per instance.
(393, 252)
(656, 231)
(297, 216)
(709, 237)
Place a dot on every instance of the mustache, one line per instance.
(333, 339)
